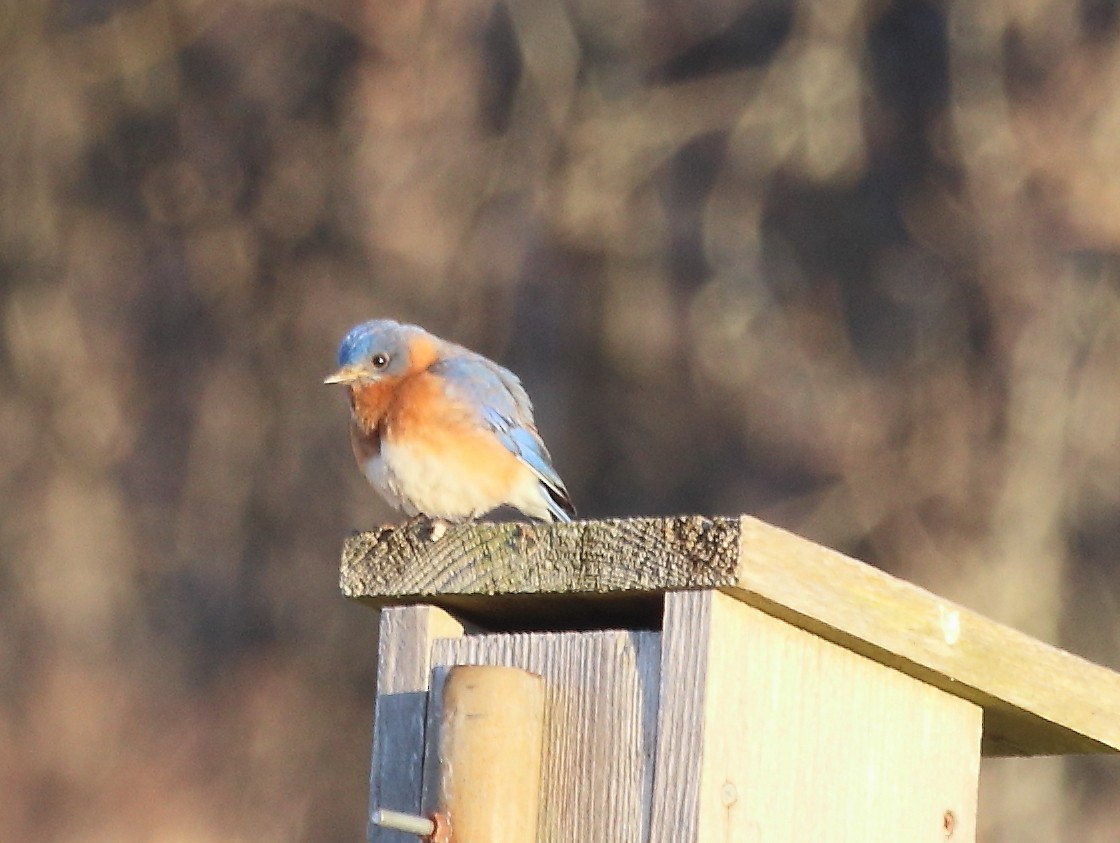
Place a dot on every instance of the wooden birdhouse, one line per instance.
(693, 679)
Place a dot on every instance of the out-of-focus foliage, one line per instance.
(851, 265)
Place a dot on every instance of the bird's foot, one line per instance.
(436, 527)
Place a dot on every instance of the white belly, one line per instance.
(415, 481)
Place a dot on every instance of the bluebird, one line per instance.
(441, 431)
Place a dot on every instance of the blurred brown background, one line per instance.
(849, 265)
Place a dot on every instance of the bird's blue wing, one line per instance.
(504, 407)
(478, 382)
(528, 446)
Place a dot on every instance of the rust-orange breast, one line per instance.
(423, 416)
(370, 402)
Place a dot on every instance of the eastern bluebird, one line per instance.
(441, 431)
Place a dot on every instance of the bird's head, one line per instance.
(377, 350)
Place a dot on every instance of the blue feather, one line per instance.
(505, 408)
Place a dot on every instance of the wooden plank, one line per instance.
(588, 557)
(675, 810)
(601, 703)
(490, 741)
(776, 734)
(400, 710)
(1037, 699)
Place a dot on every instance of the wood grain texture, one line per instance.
(675, 809)
(1037, 699)
(601, 703)
(595, 557)
(777, 735)
(400, 710)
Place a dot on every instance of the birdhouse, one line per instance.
(691, 679)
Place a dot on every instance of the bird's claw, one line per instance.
(438, 528)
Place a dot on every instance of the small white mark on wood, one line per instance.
(728, 794)
(950, 624)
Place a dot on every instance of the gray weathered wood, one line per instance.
(601, 704)
(1036, 699)
(403, 672)
(675, 802)
(595, 557)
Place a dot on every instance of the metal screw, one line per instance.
(435, 828)
(399, 821)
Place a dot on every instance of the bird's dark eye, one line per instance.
(380, 361)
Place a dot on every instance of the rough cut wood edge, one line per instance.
(1037, 700)
(590, 557)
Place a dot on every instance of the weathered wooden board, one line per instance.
(607, 574)
(768, 732)
(1037, 699)
(601, 712)
(401, 708)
